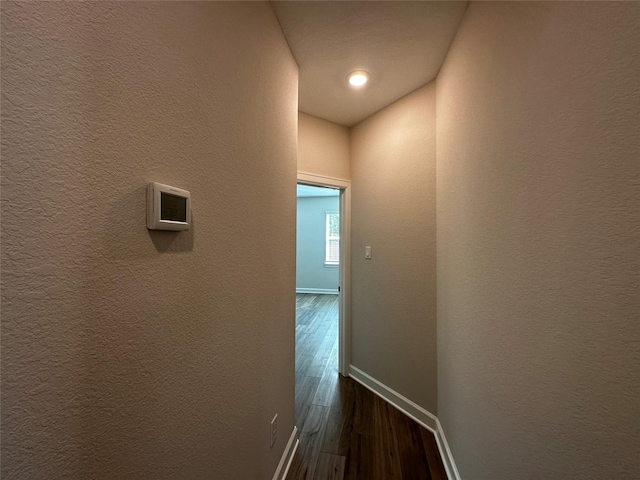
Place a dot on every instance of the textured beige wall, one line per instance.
(394, 293)
(538, 241)
(128, 353)
(323, 147)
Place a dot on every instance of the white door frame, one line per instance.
(344, 327)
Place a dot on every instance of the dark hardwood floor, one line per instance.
(347, 432)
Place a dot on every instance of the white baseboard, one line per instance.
(406, 406)
(287, 456)
(447, 456)
(413, 411)
(318, 291)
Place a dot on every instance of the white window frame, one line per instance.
(329, 262)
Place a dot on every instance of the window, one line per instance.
(332, 239)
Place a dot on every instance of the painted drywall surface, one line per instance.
(393, 211)
(128, 353)
(323, 147)
(311, 271)
(401, 44)
(538, 231)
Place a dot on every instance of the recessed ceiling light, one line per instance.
(358, 78)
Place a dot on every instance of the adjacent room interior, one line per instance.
(317, 296)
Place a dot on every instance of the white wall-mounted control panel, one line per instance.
(168, 208)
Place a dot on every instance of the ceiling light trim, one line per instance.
(358, 78)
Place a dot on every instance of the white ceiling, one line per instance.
(402, 44)
(309, 191)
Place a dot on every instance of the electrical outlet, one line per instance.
(274, 430)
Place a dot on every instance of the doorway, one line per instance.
(344, 277)
(322, 290)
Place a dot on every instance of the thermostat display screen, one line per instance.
(173, 207)
(168, 208)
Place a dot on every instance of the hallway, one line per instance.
(345, 431)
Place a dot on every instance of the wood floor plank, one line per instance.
(304, 397)
(387, 461)
(346, 431)
(311, 434)
(326, 341)
(412, 456)
(302, 365)
(329, 383)
(330, 467)
(436, 467)
(360, 461)
(363, 415)
(337, 436)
